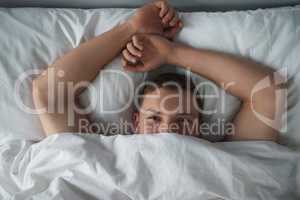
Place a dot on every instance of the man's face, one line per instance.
(167, 110)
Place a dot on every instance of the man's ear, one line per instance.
(135, 121)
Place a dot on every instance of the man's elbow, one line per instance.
(276, 92)
(270, 101)
(269, 89)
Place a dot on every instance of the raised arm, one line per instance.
(240, 76)
(51, 90)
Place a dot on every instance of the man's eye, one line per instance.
(154, 118)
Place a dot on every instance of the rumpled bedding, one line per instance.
(158, 166)
(163, 166)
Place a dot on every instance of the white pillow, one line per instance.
(270, 36)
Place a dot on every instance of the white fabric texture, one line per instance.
(270, 36)
(158, 166)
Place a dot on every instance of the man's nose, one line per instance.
(167, 127)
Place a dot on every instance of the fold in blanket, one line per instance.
(160, 166)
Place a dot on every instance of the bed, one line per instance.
(164, 166)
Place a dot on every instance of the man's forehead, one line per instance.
(163, 94)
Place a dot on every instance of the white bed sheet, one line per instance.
(159, 166)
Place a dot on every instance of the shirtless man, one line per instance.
(144, 43)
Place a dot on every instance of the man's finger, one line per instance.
(168, 16)
(171, 32)
(133, 50)
(175, 20)
(163, 6)
(128, 56)
(137, 42)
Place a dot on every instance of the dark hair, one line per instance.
(167, 80)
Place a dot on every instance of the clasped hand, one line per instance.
(156, 24)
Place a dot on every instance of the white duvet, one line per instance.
(163, 166)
